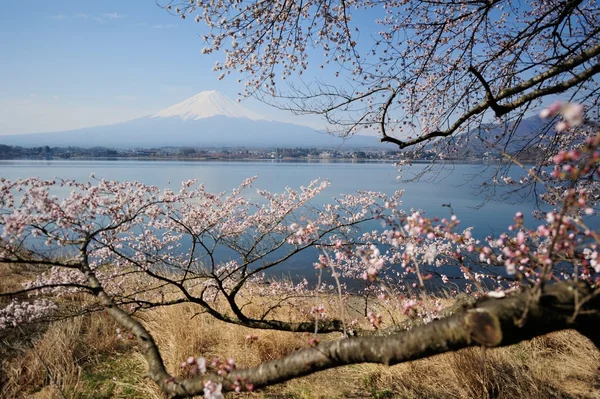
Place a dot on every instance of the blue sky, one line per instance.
(68, 64)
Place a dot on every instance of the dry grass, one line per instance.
(83, 358)
(559, 365)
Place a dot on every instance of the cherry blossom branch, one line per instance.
(422, 54)
(43, 287)
(520, 101)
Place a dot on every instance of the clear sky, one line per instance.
(66, 64)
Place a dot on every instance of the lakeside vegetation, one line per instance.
(283, 154)
(189, 153)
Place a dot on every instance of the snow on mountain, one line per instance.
(207, 104)
(209, 119)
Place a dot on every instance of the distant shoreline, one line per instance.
(241, 154)
(259, 160)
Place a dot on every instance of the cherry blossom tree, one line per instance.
(208, 246)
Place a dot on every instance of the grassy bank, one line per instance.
(84, 358)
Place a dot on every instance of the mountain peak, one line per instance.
(205, 105)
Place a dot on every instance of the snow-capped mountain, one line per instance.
(208, 119)
(205, 105)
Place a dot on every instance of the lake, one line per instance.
(454, 184)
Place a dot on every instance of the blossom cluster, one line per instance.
(571, 113)
(16, 313)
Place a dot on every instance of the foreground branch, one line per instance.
(489, 323)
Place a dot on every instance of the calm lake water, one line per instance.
(454, 184)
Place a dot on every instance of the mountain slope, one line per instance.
(208, 119)
(495, 139)
(528, 132)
